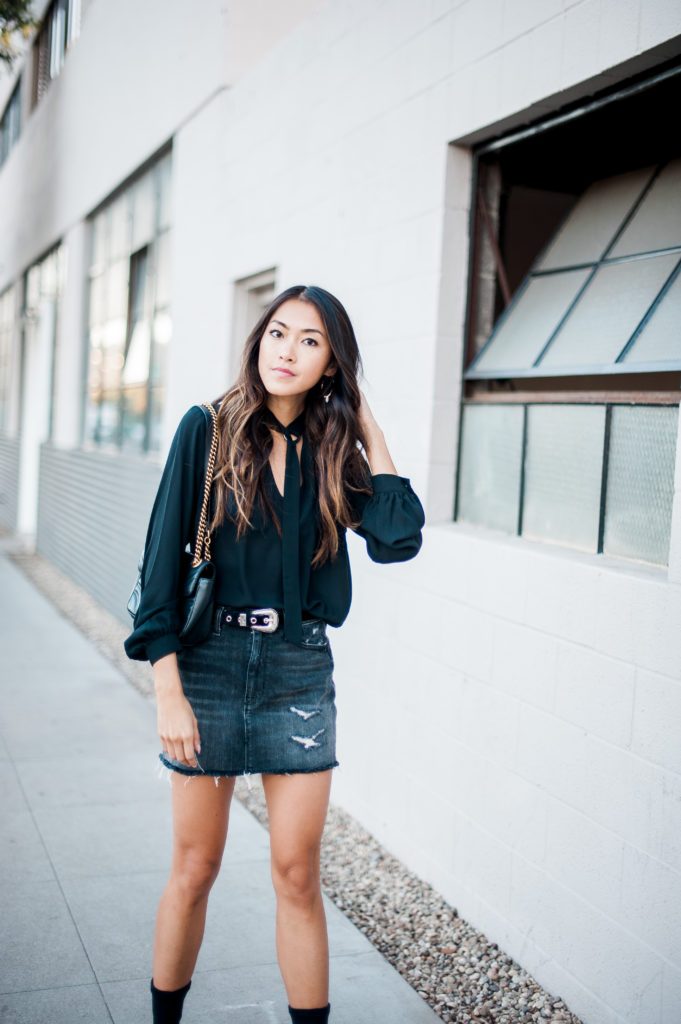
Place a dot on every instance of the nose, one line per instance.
(286, 350)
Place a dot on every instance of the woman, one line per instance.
(258, 695)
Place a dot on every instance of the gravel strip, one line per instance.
(456, 969)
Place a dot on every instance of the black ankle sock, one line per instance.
(318, 1016)
(167, 1006)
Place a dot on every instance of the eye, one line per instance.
(310, 341)
(276, 333)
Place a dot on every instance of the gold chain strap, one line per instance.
(202, 546)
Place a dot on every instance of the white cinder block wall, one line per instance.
(509, 712)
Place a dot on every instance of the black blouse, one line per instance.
(250, 570)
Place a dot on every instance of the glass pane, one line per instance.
(143, 212)
(157, 399)
(119, 227)
(640, 483)
(563, 468)
(95, 362)
(133, 425)
(657, 222)
(97, 310)
(117, 289)
(522, 334)
(113, 334)
(110, 368)
(108, 415)
(608, 312)
(99, 240)
(49, 274)
(136, 367)
(62, 267)
(74, 20)
(139, 285)
(57, 37)
(162, 335)
(33, 287)
(91, 419)
(163, 270)
(163, 328)
(660, 339)
(594, 221)
(164, 179)
(489, 476)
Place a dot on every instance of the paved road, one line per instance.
(85, 852)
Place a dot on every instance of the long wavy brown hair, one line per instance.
(332, 428)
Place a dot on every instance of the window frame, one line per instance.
(609, 400)
(58, 30)
(101, 260)
(491, 288)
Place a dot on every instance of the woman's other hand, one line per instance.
(377, 452)
(178, 729)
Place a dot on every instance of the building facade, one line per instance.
(487, 186)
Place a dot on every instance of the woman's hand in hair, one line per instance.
(178, 729)
(376, 449)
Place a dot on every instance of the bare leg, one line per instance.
(297, 806)
(200, 817)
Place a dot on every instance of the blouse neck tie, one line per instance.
(290, 528)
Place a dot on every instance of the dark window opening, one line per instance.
(527, 184)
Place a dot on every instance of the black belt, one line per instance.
(265, 620)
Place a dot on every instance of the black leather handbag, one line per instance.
(195, 601)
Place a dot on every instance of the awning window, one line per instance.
(604, 297)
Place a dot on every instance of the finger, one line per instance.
(188, 752)
(197, 738)
(176, 751)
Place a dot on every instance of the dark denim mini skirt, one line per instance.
(263, 705)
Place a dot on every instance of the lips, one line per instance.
(283, 372)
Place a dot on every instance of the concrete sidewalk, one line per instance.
(85, 852)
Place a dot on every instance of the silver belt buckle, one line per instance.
(272, 624)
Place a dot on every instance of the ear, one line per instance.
(331, 369)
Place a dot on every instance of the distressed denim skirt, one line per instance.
(263, 705)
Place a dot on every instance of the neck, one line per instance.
(286, 409)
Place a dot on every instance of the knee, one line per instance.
(194, 874)
(296, 881)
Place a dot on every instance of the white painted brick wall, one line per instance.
(671, 992)
(595, 692)
(585, 857)
(656, 717)
(558, 771)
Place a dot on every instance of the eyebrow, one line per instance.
(306, 330)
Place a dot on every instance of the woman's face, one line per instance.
(294, 350)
